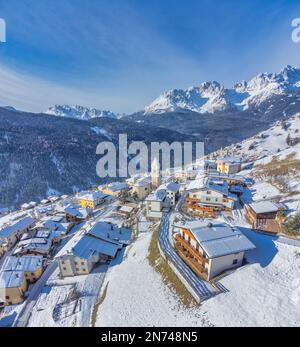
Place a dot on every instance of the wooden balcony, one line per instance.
(191, 250)
(191, 200)
(195, 266)
(205, 210)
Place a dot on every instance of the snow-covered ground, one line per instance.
(136, 295)
(268, 142)
(265, 292)
(68, 302)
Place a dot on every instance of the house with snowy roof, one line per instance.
(210, 196)
(210, 248)
(15, 276)
(229, 165)
(11, 233)
(77, 214)
(114, 188)
(91, 199)
(155, 203)
(172, 191)
(265, 215)
(141, 187)
(100, 244)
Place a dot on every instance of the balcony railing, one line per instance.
(193, 251)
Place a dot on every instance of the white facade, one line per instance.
(74, 266)
(142, 188)
(221, 264)
(211, 198)
(154, 209)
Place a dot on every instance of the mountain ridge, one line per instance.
(212, 97)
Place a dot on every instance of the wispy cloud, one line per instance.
(35, 94)
(120, 54)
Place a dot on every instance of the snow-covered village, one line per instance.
(216, 245)
(149, 169)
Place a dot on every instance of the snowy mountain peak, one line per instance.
(290, 74)
(210, 87)
(211, 97)
(78, 112)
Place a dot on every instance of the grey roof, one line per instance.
(233, 160)
(109, 232)
(19, 226)
(40, 245)
(158, 195)
(27, 263)
(89, 246)
(142, 182)
(266, 206)
(218, 239)
(51, 225)
(117, 186)
(78, 212)
(92, 196)
(11, 279)
(225, 176)
(174, 187)
(222, 189)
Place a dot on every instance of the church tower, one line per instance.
(155, 174)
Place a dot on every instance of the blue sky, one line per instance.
(121, 54)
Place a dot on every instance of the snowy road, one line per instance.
(203, 289)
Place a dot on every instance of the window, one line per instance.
(235, 261)
(82, 263)
(64, 268)
(208, 192)
(32, 274)
(84, 270)
(7, 297)
(77, 269)
(63, 262)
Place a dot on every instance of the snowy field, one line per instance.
(265, 292)
(68, 302)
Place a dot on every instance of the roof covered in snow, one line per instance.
(173, 187)
(26, 263)
(89, 246)
(158, 195)
(19, 226)
(78, 212)
(92, 196)
(11, 279)
(117, 186)
(266, 207)
(218, 239)
(110, 232)
(230, 160)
